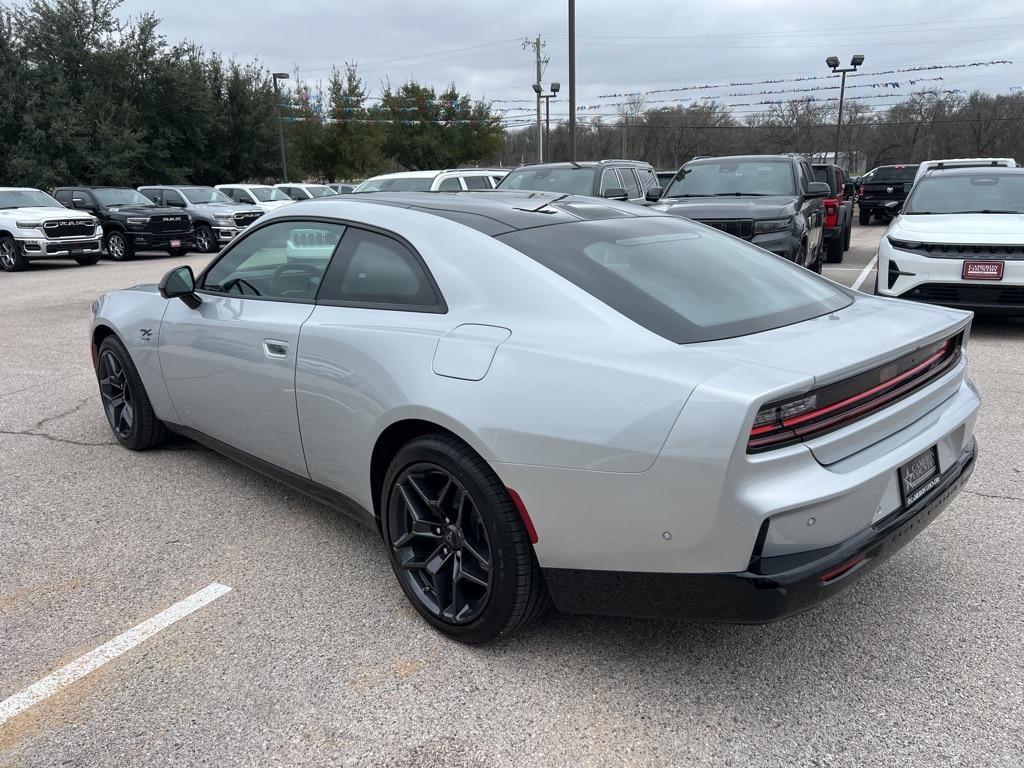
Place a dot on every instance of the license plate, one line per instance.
(175, 243)
(983, 270)
(919, 475)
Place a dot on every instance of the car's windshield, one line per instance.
(27, 198)
(205, 195)
(115, 197)
(564, 179)
(316, 190)
(727, 177)
(269, 194)
(397, 184)
(894, 173)
(678, 279)
(981, 192)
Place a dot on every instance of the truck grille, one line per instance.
(166, 224)
(246, 218)
(69, 228)
(741, 228)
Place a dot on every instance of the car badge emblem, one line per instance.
(889, 190)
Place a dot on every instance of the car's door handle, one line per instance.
(275, 349)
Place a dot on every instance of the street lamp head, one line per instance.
(832, 61)
(280, 75)
(537, 89)
(555, 87)
(857, 60)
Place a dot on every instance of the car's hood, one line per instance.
(867, 333)
(728, 207)
(222, 207)
(144, 288)
(144, 210)
(968, 228)
(49, 212)
(271, 205)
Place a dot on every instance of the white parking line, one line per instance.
(864, 275)
(111, 649)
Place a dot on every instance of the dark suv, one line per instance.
(130, 220)
(838, 210)
(883, 190)
(612, 179)
(771, 201)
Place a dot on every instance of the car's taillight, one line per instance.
(860, 191)
(831, 212)
(813, 413)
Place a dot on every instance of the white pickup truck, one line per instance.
(35, 226)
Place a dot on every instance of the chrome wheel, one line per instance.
(204, 239)
(117, 246)
(440, 543)
(8, 254)
(116, 395)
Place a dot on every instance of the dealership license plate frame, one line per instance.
(919, 476)
(982, 270)
(175, 244)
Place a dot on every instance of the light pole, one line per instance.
(280, 120)
(547, 117)
(833, 63)
(572, 81)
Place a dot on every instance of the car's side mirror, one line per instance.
(81, 204)
(893, 206)
(616, 193)
(818, 189)
(180, 283)
(174, 203)
(654, 194)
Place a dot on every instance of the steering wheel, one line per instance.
(241, 284)
(283, 281)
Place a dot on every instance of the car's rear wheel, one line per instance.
(457, 543)
(119, 247)
(865, 216)
(206, 241)
(835, 250)
(848, 233)
(11, 257)
(125, 402)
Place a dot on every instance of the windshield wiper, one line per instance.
(986, 210)
(741, 194)
(683, 194)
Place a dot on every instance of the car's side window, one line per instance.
(171, 197)
(476, 182)
(374, 270)
(153, 194)
(451, 184)
(647, 179)
(63, 197)
(806, 176)
(285, 261)
(630, 180)
(609, 180)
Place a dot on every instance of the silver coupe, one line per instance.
(539, 398)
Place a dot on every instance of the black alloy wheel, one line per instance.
(11, 257)
(457, 542)
(440, 543)
(206, 241)
(125, 402)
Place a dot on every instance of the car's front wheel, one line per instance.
(457, 543)
(119, 247)
(864, 217)
(125, 402)
(206, 241)
(11, 257)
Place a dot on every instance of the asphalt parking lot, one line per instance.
(314, 656)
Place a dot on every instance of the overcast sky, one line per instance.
(622, 45)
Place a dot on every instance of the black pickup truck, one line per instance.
(881, 186)
(131, 221)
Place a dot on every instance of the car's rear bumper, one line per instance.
(772, 588)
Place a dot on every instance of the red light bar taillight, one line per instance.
(789, 421)
(831, 212)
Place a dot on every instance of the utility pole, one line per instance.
(541, 60)
(572, 81)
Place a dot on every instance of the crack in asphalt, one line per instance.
(18, 391)
(994, 496)
(34, 430)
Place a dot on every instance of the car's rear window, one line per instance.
(683, 281)
(894, 173)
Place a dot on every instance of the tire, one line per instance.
(118, 378)
(848, 233)
(89, 260)
(206, 241)
(11, 257)
(442, 504)
(177, 251)
(834, 254)
(119, 247)
(865, 217)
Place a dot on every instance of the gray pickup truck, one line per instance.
(216, 218)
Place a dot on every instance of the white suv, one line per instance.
(964, 162)
(306, 191)
(263, 196)
(456, 180)
(35, 226)
(958, 241)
